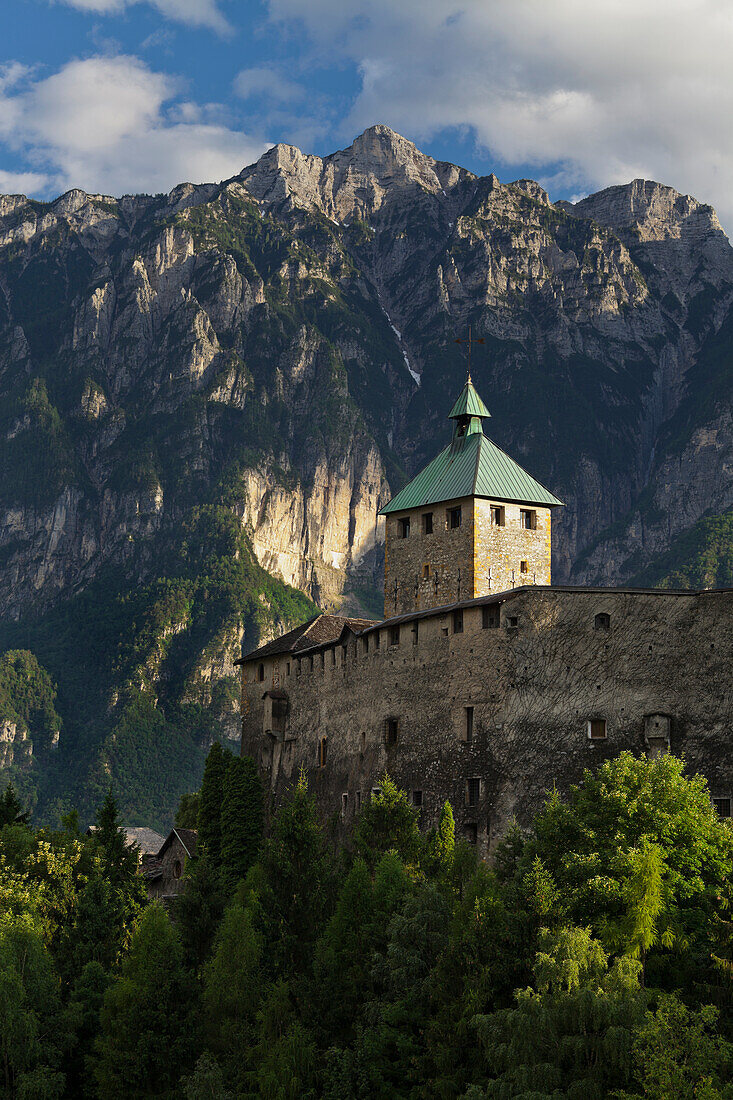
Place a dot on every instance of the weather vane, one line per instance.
(469, 340)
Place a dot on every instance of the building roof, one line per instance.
(471, 466)
(187, 837)
(147, 840)
(321, 629)
(468, 403)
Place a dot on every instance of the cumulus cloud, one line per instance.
(195, 13)
(107, 124)
(589, 94)
(267, 80)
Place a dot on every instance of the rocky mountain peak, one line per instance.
(656, 211)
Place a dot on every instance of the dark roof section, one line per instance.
(512, 593)
(471, 466)
(318, 631)
(187, 837)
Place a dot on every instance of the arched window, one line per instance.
(602, 621)
(322, 752)
(177, 869)
(261, 673)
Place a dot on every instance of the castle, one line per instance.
(484, 684)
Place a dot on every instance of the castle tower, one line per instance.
(471, 523)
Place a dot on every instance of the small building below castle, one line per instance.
(486, 685)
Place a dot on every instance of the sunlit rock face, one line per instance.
(282, 344)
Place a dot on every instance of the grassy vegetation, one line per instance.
(699, 558)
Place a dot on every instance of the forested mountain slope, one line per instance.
(205, 396)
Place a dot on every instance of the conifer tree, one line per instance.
(241, 819)
(388, 823)
(11, 811)
(119, 860)
(145, 1039)
(210, 800)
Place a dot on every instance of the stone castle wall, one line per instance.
(536, 681)
(475, 559)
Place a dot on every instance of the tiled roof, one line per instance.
(317, 631)
(147, 840)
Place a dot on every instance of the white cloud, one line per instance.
(22, 183)
(195, 13)
(592, 94)
(267, 81)
(106, 124)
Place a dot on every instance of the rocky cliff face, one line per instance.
(278, 350)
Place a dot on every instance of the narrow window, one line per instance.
(512, 621)
(298, 666)
(722, 806)
(426, 572)
(497, 516)
(490, 616)
(417, 798)
(279, 716)
(427, 523)
(523, 567)
(458, 622)
(391, 731)
(602, 621)
(358, 801)
(471, 832)
(178, 867)
(597, 729)
(394, 635)
(376, 639)
(527, 519)
(473, 791)
(322, 752)
(404, 527)
(362, 741)
(469, 723)
(261, 673)
(453, 518)
(310, 664)
(415, 630)
(344, 805)
(333, 657)
(288, 668)
(366, 644)
(344, 654)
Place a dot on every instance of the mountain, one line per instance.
(205, 396)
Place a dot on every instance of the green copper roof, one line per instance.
(471, 466)
(468, 404)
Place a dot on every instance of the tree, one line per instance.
(299, 876)
(241, 819)
(118, 859)
(11, 811)
(187, 813)
(145, 1038)
(388, 823)
(210, 801)
(198, 910)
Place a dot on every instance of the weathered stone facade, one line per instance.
(492, 702)
(495, 547)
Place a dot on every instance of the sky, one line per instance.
(120, 96)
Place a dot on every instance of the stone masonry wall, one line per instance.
(473, 560)
(535, 682)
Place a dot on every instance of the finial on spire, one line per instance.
(469, 340)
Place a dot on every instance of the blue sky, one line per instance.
(128, 95)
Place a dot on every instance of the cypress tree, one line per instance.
(212, 793)
(241, 818)
(11, 811)
(119, 861)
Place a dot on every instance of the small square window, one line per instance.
(597, 729)
(391, 731)
(457, 622)
(427, 523)
(453, 518)
(417, 798)
(426, 572)
(512, 622)
(490, 617)
(722, 806)
(403, 527)
(473, 791)
(524, 567)
(527, 519)
(602, 621)
(498, 516)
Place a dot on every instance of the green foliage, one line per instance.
(242, 819)
(388, 823)
(701, 557)
(28, 695)
(145, 1038)
(210, 803)
(187, 814)
(11, 811)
